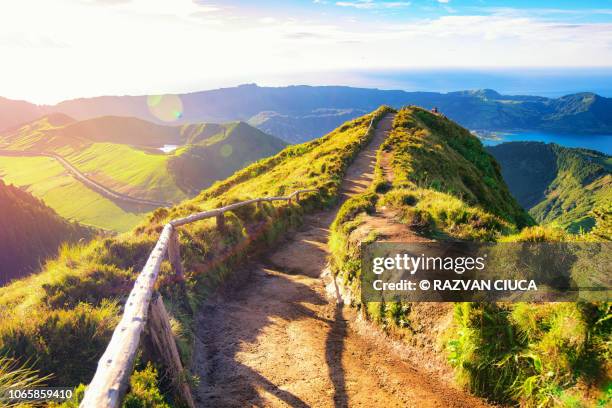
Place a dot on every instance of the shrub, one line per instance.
(65, 342)
(529, 353)
(144, 390)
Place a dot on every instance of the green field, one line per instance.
(128, 170)
(48, 180)
(122, 155)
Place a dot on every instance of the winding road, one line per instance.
(92, 184)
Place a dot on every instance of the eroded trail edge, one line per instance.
(281, 341)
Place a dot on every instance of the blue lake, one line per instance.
(602, 143)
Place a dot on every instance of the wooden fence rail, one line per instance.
(145, 312)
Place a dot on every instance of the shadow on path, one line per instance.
(334, 348)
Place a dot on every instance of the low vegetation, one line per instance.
(442, 184)
(15, 374)
(224, 149)
(62, 318)
(30, 232)
(558, 185)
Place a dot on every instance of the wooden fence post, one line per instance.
(163, 344)
(174, 255)
(221, 222)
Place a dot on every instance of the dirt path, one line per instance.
(280, 341)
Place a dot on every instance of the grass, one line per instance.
(437, 154)
(446, 186)
(71, 307)
(442, 216)
(129, 171)
(533, 354)
(17, 376)
(560, 186)
(46, 179)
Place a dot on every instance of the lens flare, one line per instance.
(168, 108)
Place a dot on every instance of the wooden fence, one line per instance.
(145, 311)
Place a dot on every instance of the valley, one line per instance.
(558, 185)
(48, 180)
(119, 173)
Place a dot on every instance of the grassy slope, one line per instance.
(558, 185)
(533, 354)
(438, 154)
(444, 185)
(70, 308)
(30, 232)
(223, 150)
(129, 171)
(49, 181)
(103, 148)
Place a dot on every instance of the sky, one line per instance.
(60, 49)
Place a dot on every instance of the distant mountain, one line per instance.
(14, 113)
(300, 113)
(30, 232)
(570, 187)
(299, 128)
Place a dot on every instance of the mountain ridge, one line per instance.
(485, 109)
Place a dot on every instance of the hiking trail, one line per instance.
(280, 339)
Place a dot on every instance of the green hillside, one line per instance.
(231, 147)
(440, 155)
(439, 182)
(123, 155)
(30, 232)
(558, 185)
(73, 305)
(47, 180)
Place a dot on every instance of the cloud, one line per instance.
(444, 1)
(154, 45)
(106, 2)
(371, 4)
(303, 36)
